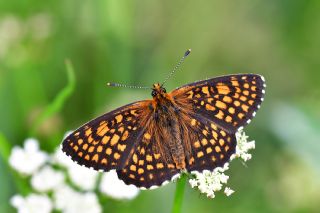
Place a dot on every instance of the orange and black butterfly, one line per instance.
(192, 128)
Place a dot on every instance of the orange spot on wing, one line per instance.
(209, 107)
(221, 105)
(99, 149)
(119, 118)
(88, 132)
(200, 154)
(125, 135)
(95, 158)
(159, 165)
(219, 115)
(121, 147)
(245, 107)
(228, 119)
(223, 89)
(114, 139)
(105, 139)
(227, 99)
(108, 151)
(102, 129)
(205, 90)
(116, 156)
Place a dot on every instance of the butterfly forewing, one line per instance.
(229, 101)
(106, 142)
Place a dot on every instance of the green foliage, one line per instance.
(59, 100)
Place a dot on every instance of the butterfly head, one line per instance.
(158, 91)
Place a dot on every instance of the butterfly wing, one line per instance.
(217, 107)
(107, 142)
(147, 168)
(211, 147)
(229, 101)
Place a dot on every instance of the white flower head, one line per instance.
(29, 159)
(68, 200)
(47, 179)
(243, 146)
(61, 159)
(32, 203)
(209, 182)
(112, 186)
(63, 196)
(86, 202)
(83, 177)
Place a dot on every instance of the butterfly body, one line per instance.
(166, 115)
(189, 129)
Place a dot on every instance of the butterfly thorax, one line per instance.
(166, 117)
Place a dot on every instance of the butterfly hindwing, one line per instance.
(229, 101)
(147, 168)
(106, 142)
(212, 147)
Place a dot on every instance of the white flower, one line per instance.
(87, 202)
(61, 159)
(32, 203)
(228, 191)
(70, 201)
(209, 182)
(27, 160)
(63, 196)
(243, 146)
(83, 177)
(112, 186)
(47, 179)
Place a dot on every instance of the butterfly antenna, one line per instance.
(110, 84)
(177, 66)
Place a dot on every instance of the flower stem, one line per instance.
(178, 197)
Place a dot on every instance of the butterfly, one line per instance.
(191, 128)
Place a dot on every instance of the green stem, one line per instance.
(57, 104)
(178, 197)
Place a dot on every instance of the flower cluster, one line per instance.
(60, 184)
(209, 182)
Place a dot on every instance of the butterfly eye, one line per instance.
(153, 93)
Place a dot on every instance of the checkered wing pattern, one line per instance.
(147, 167)
(229, 101)
(212, 146)
(106, 142)
(149, 142)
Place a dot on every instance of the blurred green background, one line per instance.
(139, 42)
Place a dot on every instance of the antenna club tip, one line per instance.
(187, 52)
(110, 84)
